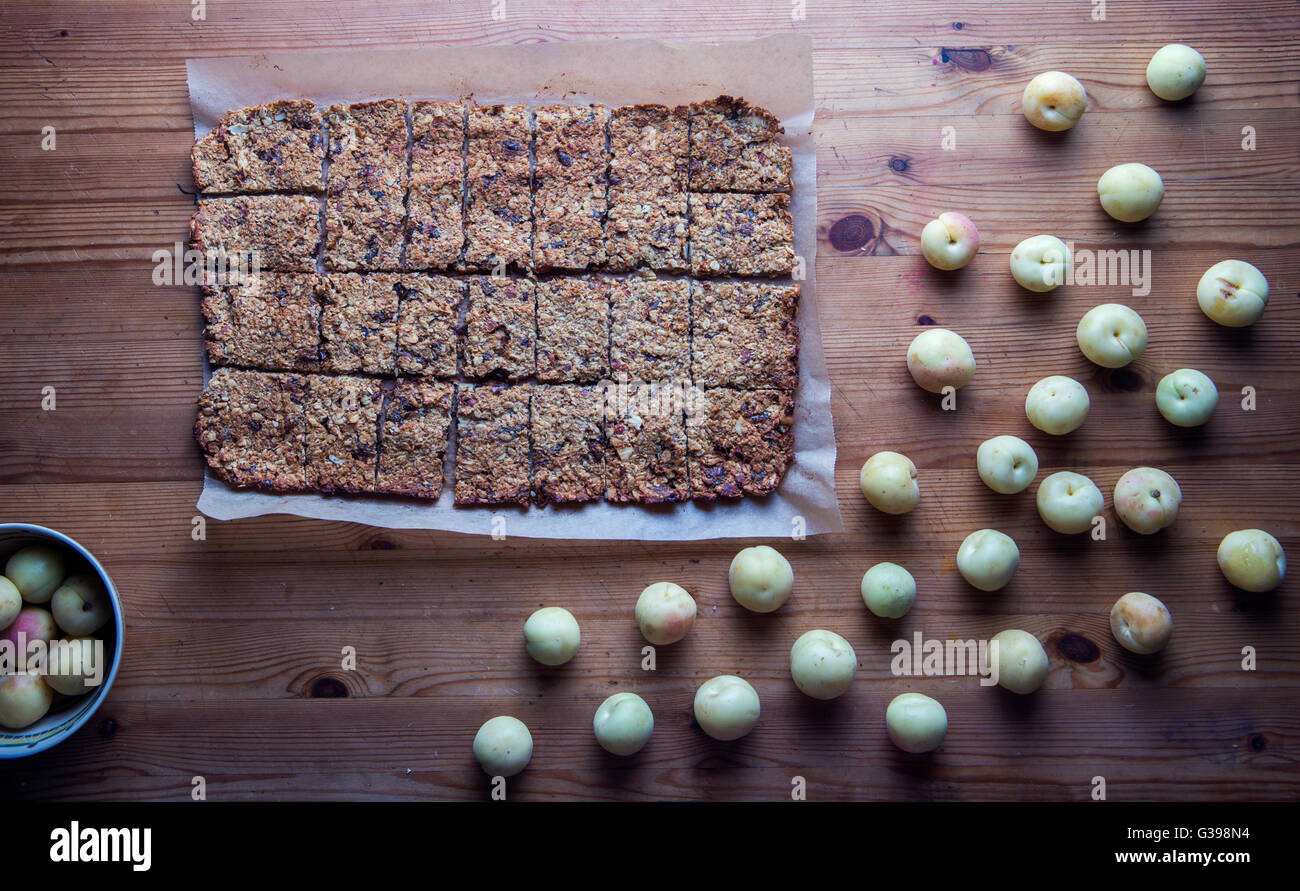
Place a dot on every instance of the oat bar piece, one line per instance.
(569, 187)
(744, 335)
(735, 234)
(365, 217)
(426, 324)
(647, 152)
(359, 323)
(276, 147)
(568, 444)
(741, 443)
(259, 232)
(734, 148)
(251, 428)
(343, 432)
(498, 201)
(500, 328)
(647, 232)
(435, 222)
(417, 420)
(645, 451)
(269, 321)
(573, 329)
(492, 452)
(650, 330)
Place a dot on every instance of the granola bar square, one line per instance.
(269, 321)
(734, 148)
(569, 187)
(573, 329)
(570, 144)
(648, 232)
(648, 152)
(365, 214)
(498, 199)
(259, 232)
(492, 444)
(251, 427)
(742, 443)
(500, 328)
(650, 329)
(739, 234)
(645, 451)
(417, 421)
(427, 317)
(435, 221)
(343, 432)
(359, 323)
(568, 454)
(744, 335)
(276, 147)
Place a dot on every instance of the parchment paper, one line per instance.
(774, 72)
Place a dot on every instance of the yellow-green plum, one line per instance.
(1057, 405)
(81, 605)
(75, 665)
(1054, 101)
(888, 480)
(1147, 499)
(988, 559)
(760, 579)
(1041, 263)
(1130, 192)
(34, 623)
(1186, 397)
(665, 613)
(551, 635)
(11, 601)
(823, 664)
(950, 242)
(24, 699)
(1252, 560)
(1111, 335)
(916, 722)
(939, 358)
(1232, 293)
(623, 724)
(1021, 660)
(726, 707)
(36, 571)
(503, 746)
(1067, 502)
(1141, 623)
(1175, 72)
(888, 590)
(1006, 464)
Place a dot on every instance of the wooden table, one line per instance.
(232, 667)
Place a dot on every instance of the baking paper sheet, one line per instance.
(773, 72)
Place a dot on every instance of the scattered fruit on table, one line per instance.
(1175, 72)
(1057, 405)
(1130, 192)
(1054, 101)
(1007, 464)
(1067, 502)
(551, 635)
(503, 746)
(1111, 335)
(1233, 293)
(1021, 660)
(823, 664)
(939, 358)
(888, 590)
(1041, 263)
(888, 480)
(1141, 623)
(916, 722)
(665, 613)
(988, 559)
(1147, 499)
(623, 724)
(1252, 560)
(726, 707)
(950, 242)
(760, 579)
(1186, 397)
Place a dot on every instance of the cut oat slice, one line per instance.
(269, 321)
(568, 444)
(741, 442)
(251, 427)
(258, 232)
(359, 323)
(500, 328)
(734, 148)
(417, 421)
(276, 147)
(645, 452)
(744, 335)
(492, 451)
(649, 232)
(648, 152)
(426, 324)
(650, 330)
(498, 200)
(736, 234)
(569, 187)
(435, 221)
(342, 432)
(365, 216)
(573, 329)
(570, 144)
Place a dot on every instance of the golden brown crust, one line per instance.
(741, 444)
(744, 335)
(359, 323)
(343, 432)
(573, 329)
(650, 329)
(364, 196)
(259, 232)
(736, 234)
(276, 147)
(568, 444)
(251, 427)
(417, 421)
(500, 329)
(492, 450)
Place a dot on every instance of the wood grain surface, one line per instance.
(232, 666)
